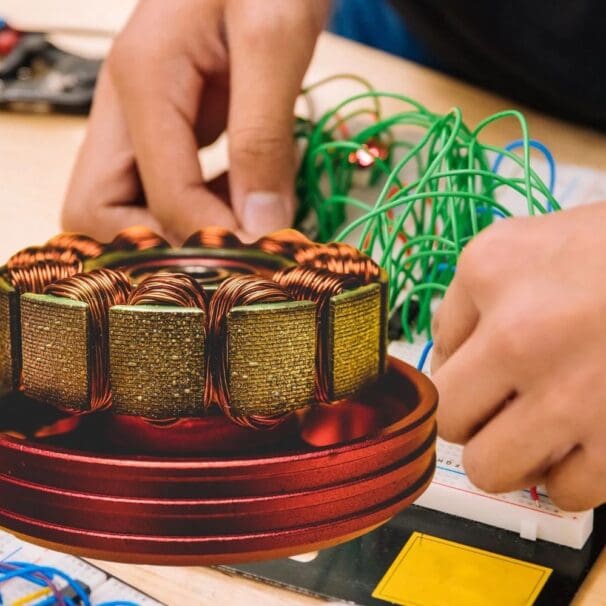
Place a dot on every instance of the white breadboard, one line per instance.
(103, 588)
(453, 493)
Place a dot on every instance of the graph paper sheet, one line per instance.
(453, 493)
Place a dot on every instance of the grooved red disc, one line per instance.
(334, 473)
(210, 550)
(181, 517)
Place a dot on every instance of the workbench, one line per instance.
(36, 156)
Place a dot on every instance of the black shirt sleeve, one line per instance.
(549, 54)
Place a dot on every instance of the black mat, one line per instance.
(351, 571)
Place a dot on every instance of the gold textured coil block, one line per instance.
(56, 352)
(356, 348)
(271, 357)
(10, 338)
(157, 360)
(384, 338)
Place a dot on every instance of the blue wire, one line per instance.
(30, 578)
(52, 572)
(22, 574)
(480, 210)
(52, 601)
(445, 266)
(538, 146)
(424, 355)
(24, 569)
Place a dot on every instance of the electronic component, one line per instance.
(98, 585)
(35, 76)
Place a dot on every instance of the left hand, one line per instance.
(520, 356)
(180, 74)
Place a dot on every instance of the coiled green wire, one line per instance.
(416, 228)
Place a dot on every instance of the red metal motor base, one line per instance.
(109, 489)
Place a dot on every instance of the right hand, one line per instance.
(179, 74)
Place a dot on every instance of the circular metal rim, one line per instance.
(246, 484)
(97, 515)
(360, 494)
(170, 550)
(212, 516)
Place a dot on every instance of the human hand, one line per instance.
(177, 76)
(520, 349)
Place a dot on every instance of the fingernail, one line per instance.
(264, 212)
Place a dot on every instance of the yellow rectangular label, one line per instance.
(434, 572)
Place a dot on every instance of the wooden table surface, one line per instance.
(36, 154)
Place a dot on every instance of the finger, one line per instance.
(104, 174)
(453, 323)
(518, 445)
(577, 482)
(271, 44)
(472, 385)
(161, 91)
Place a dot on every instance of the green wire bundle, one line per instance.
(416, 228)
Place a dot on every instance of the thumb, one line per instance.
(271, 44)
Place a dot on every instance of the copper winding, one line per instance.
(137, 237)
(36, 254)
(212, 237)
(100, 289)
(325, 271)
(285, 242)
(236, 291)
(86, 247)
(34, 278)
(165, 288)
(318, 285)
(339, 258)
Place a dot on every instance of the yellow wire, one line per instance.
(41, 593)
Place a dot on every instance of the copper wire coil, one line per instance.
(100, 289)
(35, 278)
(35, 254)
(318, 285)
(212, 237)
(285, 242)
(236, 291)
(137, 237)
(86, 247)
(165, 288)
(339, 258)
(307, 255)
